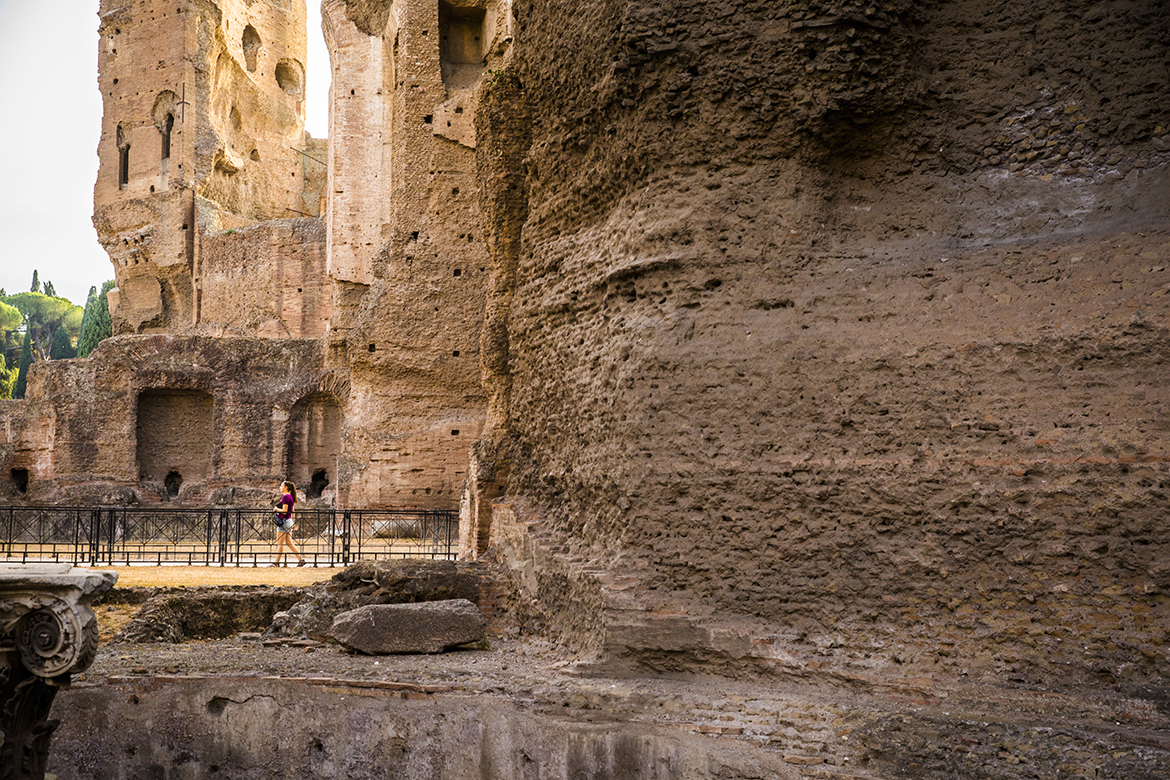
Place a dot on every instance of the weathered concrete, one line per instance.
(328, 729)
(428, 627)
(518, 711)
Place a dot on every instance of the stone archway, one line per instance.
(313, 443)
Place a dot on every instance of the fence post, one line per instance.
(239, 533)
(347, 533)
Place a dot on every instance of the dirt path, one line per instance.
(192, 576)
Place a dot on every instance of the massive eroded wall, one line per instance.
(823, 332)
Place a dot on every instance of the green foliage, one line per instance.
(10, 318)
(87, 314)
(50, 290)
(36, 285)
(72, 322)
(7, 378)
(62, 348)
(25, 362)
(42, 316)
(95, 322)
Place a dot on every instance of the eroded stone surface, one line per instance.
(206, 613)
(428, 627)
(380, 582)
(834, 338)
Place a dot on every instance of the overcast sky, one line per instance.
(50, 120)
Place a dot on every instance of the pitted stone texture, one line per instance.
(430, 627)
(376, 582)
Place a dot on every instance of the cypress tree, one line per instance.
(62, 349)
(95, 322)
(86, 315)
(25, 362)
(7, 377)
(36, 285)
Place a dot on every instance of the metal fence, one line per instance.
(127, 536)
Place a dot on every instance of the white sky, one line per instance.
(50, 120)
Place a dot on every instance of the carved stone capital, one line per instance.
(47, 632)
(45, 615)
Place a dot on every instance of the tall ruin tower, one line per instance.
(203, 131)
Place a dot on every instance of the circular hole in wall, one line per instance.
(290, 76)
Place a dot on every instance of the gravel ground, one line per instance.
(957, 728)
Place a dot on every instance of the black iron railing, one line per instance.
(219, 536)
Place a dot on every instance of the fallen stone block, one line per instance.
(376, 582)
(427, 627)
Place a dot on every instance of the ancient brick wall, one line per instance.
(848, 322)
(205, 242)
(203, 128)
(112, 427)
(267, 280)
(174, 432)
(407, 250)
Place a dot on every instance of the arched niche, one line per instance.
(175, 436)
(314, 443)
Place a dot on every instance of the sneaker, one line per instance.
(302, 563)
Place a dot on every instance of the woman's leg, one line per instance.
(281, 540)
(292, 547)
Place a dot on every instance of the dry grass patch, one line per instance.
(197, 576)
(112, 617)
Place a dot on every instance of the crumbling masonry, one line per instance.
(815, 337)
(283, 306)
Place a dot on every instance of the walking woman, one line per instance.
(286, 523)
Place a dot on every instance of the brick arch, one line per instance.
(328, 384)
(314, 414)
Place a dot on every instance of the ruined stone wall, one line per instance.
(203, 128)
(267, 280)
(846, 323)
(406, 250)
(111, 428)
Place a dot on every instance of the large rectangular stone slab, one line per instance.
(426, 627)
